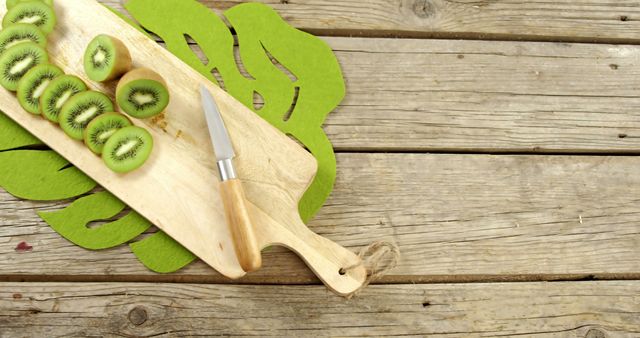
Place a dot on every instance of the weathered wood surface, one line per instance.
(447, 95)
(456, 217)
(453, 216)
(585, 309)
(451, 95)
(567, 20)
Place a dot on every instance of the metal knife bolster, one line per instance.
(227, 170)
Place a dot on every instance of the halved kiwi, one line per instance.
(57, 93)
(81, 109)
(128, 149)
(12, 3)
(33, 12)
(106, 58)
(102, 128)
(142, 93)
(19, 33)
(16, 61)
(33, 84)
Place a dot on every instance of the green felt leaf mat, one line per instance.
(290, 78)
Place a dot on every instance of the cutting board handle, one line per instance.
(326, 258)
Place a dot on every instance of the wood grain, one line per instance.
(578, 309)
(470, 96)
(454, 217)
(564, 20)
(473, 96)
(240, 225)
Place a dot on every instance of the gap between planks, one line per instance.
(313, 280)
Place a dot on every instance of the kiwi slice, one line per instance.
(19, 33)
(106, 58)
(102, 128)
(16, 61)
(142, 93)
(57, 93)
(11, 3)
(33, 12)
(128, 149)
(33, 84)
(81, 109)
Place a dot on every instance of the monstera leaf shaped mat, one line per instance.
(295, 97)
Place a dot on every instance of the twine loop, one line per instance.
(378, 259)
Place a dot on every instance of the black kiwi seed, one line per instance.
(32, 12)
(128, 149)
(107, 57)
(143, 91)
(33, 84)
(19, 33)
(80, 110)
(102, 128)
(45, 77)
(16, 61)
(58, 93)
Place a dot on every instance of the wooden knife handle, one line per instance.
(239, 222)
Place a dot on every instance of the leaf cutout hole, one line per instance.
(279, 65)
(216, 74)
(289, 112)
(100, 222)
(293, 138)
(195, 48)
(258, 101)
(67, 166)
(40, 147)
(240, 65)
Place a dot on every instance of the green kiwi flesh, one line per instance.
(106, 58)
(143, 98)
(81, 109)
(102, 128)
(12, 3)
(33, 84)
(142, 93)
(57, 93)
(128, 149)
(33, 12)
(19, 33)
(16, 61)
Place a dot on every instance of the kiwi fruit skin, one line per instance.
(102, 128)
(12, 3)
(128, 149)
(16, 61)
(152, 85)
(19, 33)
(117, 59)
(57, 93)
(81, 109)
(33, 84)
(46, 20)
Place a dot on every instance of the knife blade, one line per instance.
(231, 190)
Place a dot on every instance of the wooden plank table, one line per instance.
(507, 171)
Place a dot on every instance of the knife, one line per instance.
(233, 197)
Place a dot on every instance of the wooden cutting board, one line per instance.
(177, 189)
